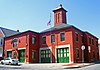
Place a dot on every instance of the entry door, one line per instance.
(22, 56)
(45, 56)
(9, 54)
(63, 55)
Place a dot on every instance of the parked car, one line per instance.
(10, 61)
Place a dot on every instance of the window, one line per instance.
(56, 18)
(92, 42)
(52, 38)
(89, 40)
(33, 40)
(76, 36)
(96, 43)
(77, 53)
(33, 54)
(62, 36)
(44, 40)
(15, 44)
(82, 39)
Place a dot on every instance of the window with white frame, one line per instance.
(33, 40)
(33, 54)
(44, 39)
(52, 38)
(62, 36)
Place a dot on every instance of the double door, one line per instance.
(45, 56)
(63, 55)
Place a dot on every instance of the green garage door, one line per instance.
(45, 56)
(63, 55)
(21, 55)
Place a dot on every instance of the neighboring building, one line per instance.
(4, 33)
(23, 46)
(61, 43)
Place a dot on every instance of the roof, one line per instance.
(22, 33)
(91, 34)
(7, 32)
(61, 26)
(59, 8)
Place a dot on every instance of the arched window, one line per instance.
(58, 17)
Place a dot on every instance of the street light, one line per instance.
(83, 48)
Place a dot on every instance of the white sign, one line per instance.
(89, 48)
(83, 47)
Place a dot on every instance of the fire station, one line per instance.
(62, 43)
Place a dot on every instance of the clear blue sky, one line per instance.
(34, 14)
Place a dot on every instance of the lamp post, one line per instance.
(83, 48)
(89, 49)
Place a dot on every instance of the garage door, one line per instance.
(45, 56)
(21, 55)
(63, 55)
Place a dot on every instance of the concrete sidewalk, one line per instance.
(76, 65)
(57, 65)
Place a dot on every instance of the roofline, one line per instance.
(54, 30)
(91, 34)
(21, 33)
(78, 29)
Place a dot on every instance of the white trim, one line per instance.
(21, 48)
(18, 49)
(63, 46)
(45, 48)
(9, 50)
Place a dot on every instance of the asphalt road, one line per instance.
(46, 67)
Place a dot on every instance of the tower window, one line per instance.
(58, 17)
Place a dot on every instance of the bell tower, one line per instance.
(59, 16)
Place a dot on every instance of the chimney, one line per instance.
(17, 30)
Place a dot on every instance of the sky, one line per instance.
(34, 15)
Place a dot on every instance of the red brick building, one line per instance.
(61, 43)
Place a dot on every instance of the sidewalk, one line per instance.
(76, 65)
